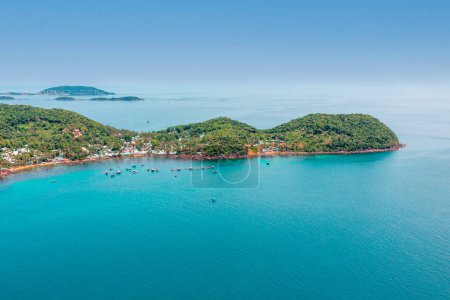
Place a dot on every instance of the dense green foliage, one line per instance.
(47, 130)
(75, 91)
(312, 133)
(51, 132)
(217, 137)
(344, 132)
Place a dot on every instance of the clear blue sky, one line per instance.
(233, 43)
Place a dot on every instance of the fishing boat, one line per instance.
(118, 172)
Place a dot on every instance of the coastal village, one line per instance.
(24, 158)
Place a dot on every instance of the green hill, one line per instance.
(342, 132)
(35, 134)
(47, 132)
(217, 137)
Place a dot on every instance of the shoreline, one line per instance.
(12, 170)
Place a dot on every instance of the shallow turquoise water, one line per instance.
(346, 227)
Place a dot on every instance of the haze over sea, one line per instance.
(330, 227)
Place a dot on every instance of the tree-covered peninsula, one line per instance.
(30, 135)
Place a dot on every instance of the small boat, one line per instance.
(213, 200)
(172, 170)
(142, 165)
(111, 169)
(153, 170)
(113, 175)
(178, 169)
(190, 168)
(106, 173)
(215, 172)
(53, 181)
(268, 163)
(134, 171)
(127, 169)
(118, 172)
(133, 166)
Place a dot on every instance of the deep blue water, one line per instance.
(329, 227)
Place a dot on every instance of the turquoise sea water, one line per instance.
(328, 227)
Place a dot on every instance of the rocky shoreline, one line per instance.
(12, 170)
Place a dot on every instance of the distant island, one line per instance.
(18, 93)
(67, 93)
(75, 91)
(32, 136)
(6, 98)
(126, 98)
(66, 90)
(65, 98)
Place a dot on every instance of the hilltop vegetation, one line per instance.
(312, 133)
(75, 91)
(47, 133)
(217, 137)
(29, 134)
(342, 132)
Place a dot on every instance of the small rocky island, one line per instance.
(57, 135)
(65, 98)
(126, 98)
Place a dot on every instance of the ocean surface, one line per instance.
(369, 226)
